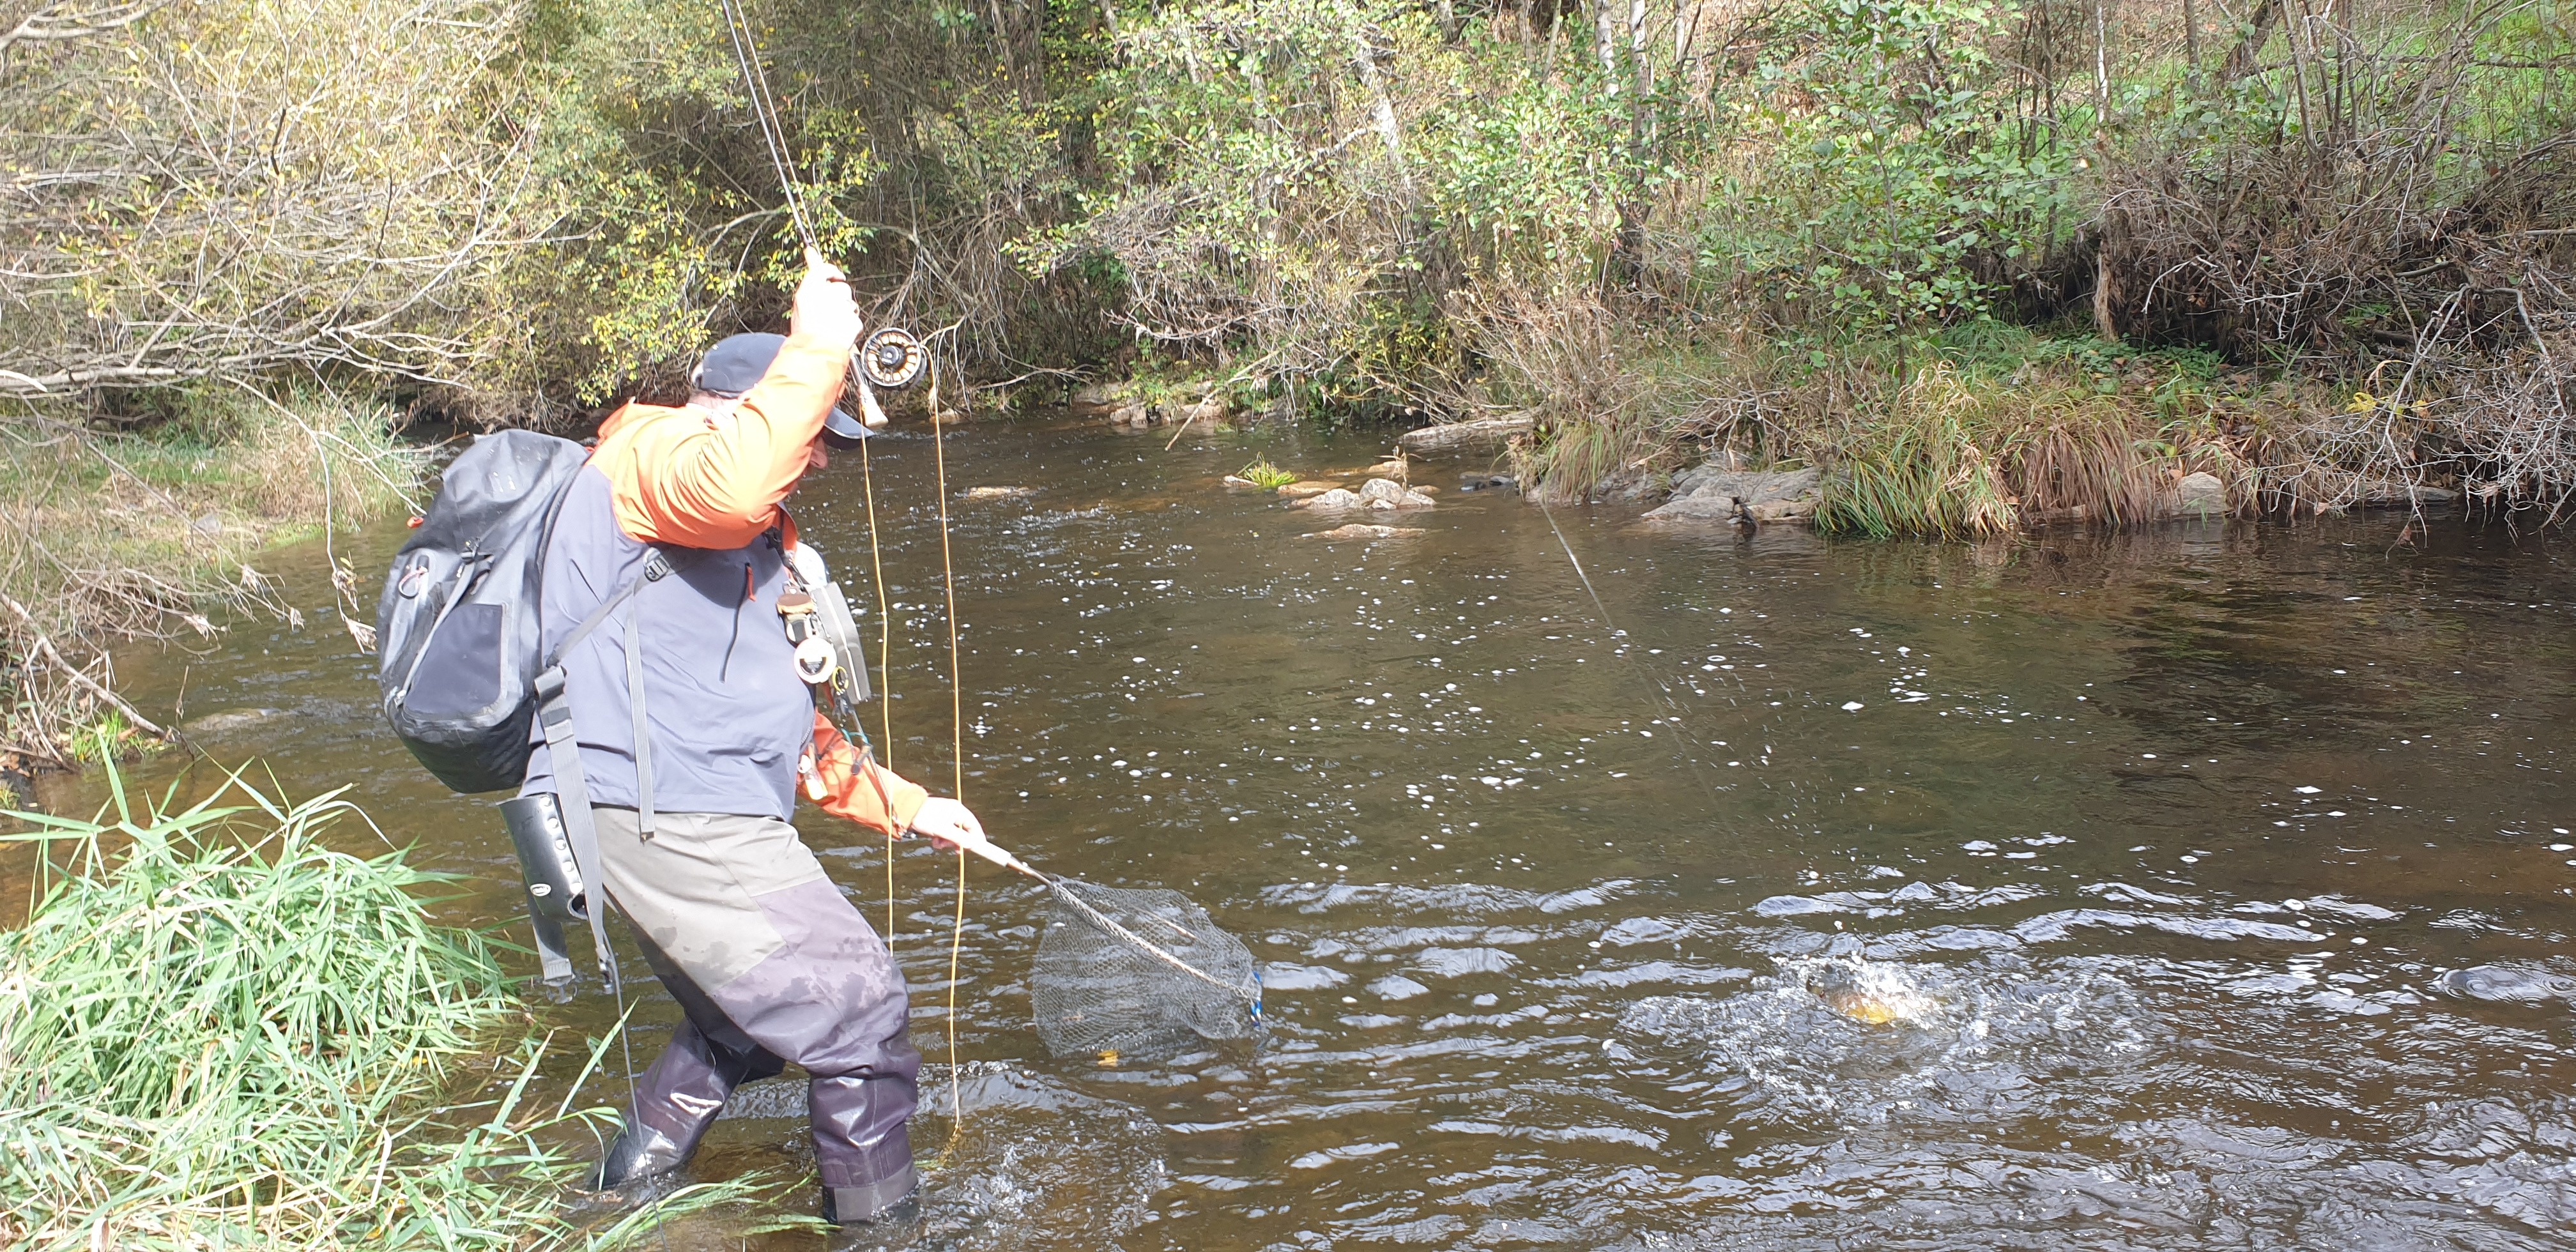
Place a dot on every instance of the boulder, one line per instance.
(1134, 413)
(2201, 495)
(1710, 493)
(1097, 397)
(1207, 412)
(1486, 435)
(1308, 487)
(1361, 530)
(1337, 498)
(1380, 493)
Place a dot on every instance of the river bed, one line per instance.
(2205, 886)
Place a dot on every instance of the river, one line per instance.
(2207, 886)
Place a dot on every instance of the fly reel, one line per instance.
(892, 359)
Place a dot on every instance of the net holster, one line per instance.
(572, 784)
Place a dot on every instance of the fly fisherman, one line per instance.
(767, 959)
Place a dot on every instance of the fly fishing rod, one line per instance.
(890, 359)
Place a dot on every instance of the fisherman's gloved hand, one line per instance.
(825, 310)
(947, 822)
(849, 783)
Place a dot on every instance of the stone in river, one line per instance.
(1709, 493)
(1383, 493)
(1308, 487)
(217, 725)
(2200, 495)
(1362, 530)
(997, 493)
(1337, 498)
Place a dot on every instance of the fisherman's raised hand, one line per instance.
(825, 309)
(947, 822)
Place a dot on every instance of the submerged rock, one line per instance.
(2506, 984)
(1362, 530)
(997, 493)
(1307, 487)
(1710, 493)
(217, 725)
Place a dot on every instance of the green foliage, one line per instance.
(1889, 166)
(1265, 475)
(219, 1031)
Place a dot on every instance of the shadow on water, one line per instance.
(2207, 886)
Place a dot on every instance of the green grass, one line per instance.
(216, 1031)
(1265, 475)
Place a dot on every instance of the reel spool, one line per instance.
(892, 359)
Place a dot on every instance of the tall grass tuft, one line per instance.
(216, 1031)
(1920, 471)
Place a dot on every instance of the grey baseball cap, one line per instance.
(736, 364)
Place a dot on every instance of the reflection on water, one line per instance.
(2203, 887)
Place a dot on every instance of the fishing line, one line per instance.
(885, 668)
(1683, 731)
(957, 758)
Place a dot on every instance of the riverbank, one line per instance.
(132, 527)
(1978, 431)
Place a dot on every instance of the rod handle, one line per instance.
(990, 851)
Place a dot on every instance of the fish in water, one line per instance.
(1867, 994)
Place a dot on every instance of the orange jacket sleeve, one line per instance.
(700, 480)
(847, 782)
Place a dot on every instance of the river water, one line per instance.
(2207, 886)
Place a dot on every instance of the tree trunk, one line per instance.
(2241, 59)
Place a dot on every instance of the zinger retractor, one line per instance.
(892, 359)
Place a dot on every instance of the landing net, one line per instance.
(1138, 973)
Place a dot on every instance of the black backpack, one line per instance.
(457, 624)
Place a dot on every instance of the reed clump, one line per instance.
(217, 1031)
(1265, 475)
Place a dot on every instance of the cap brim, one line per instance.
(840, 430)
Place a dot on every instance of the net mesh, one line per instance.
(1170, 983)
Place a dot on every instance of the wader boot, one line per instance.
(772, 964)
(676, 1102)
